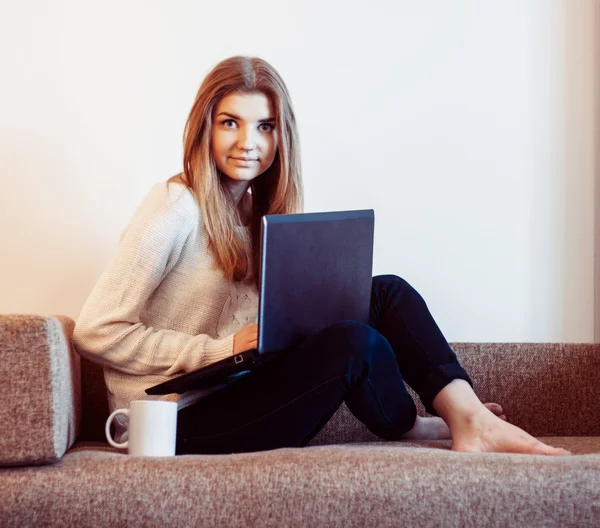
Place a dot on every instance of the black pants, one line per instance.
(285, 402)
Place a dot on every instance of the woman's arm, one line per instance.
(109, 330)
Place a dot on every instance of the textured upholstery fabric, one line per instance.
(419, 484)
(40, 390)
(551, 390)
(94, 401)
(548, 389)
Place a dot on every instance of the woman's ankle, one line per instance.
(457, 404)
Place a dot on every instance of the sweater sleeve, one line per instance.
(109, 330)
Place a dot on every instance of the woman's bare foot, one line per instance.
(434, 428)
(476, 427)
(483, 431)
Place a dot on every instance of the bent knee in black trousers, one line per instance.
(285, 403)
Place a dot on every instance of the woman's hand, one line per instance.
(246, 338)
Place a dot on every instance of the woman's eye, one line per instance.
(263, 127)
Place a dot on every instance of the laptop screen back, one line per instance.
(315, 271)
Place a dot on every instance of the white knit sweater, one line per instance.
(161, 307)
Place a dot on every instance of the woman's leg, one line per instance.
(426, 361)
(285, 402)
(431, 368)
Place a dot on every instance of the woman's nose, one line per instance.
(246, 139)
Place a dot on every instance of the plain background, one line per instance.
(470, 127)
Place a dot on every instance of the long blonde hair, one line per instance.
(278, 190)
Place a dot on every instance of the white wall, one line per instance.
(467, 125)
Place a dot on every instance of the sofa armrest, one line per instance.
(40, 389)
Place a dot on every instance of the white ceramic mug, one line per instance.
(152, 428)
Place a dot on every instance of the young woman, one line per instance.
(181, 292)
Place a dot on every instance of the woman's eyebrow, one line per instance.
(233, 116)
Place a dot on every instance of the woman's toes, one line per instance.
(514, 440)
(494, 407)
(545, 449)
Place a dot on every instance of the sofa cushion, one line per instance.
(40, 389)
(350, 485)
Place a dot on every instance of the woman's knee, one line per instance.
(359, 350)
(391, 284)
(389, 280)
(350, 331)
(356, 339)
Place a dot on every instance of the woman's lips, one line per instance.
(243, 162)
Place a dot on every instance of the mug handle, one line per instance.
(107, 429)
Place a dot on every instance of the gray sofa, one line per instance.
(58, 469)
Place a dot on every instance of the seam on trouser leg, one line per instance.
(390, 421)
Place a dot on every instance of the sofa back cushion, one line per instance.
(94, 402)
(548, 389)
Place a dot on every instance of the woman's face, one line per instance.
(244, 138)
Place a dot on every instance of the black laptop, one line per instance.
(315, 271)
